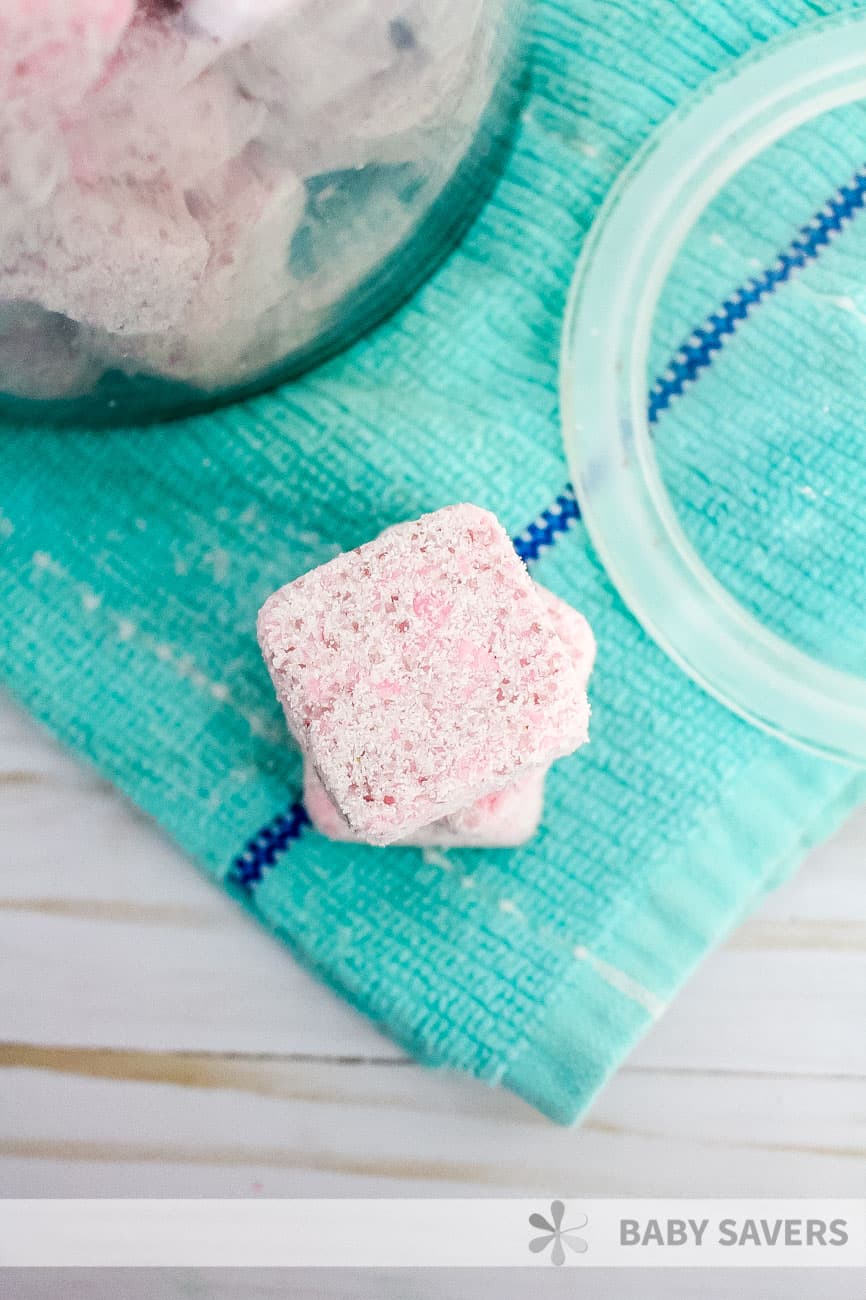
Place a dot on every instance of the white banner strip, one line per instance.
(433, 1233)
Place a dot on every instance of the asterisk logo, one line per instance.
(555, 1234)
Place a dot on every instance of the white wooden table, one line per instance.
(156, 1042)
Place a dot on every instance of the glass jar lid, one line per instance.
(725, 487)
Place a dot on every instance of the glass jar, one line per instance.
(203, 197)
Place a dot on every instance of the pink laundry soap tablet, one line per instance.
(422, 671)
(501, 820)
(573, 630)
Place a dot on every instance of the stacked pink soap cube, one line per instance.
(429, 682)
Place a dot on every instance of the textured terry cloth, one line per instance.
(134, 562)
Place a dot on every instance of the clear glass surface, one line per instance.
(808, 690)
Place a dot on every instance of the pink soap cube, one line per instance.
(573, 629)
(501, 820)
(422, 671)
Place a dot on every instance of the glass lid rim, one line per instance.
(617, 283)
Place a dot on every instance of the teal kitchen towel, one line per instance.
(133, 563)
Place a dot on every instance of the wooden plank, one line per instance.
(125, 941)
(126, 1123)
(28, 751)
